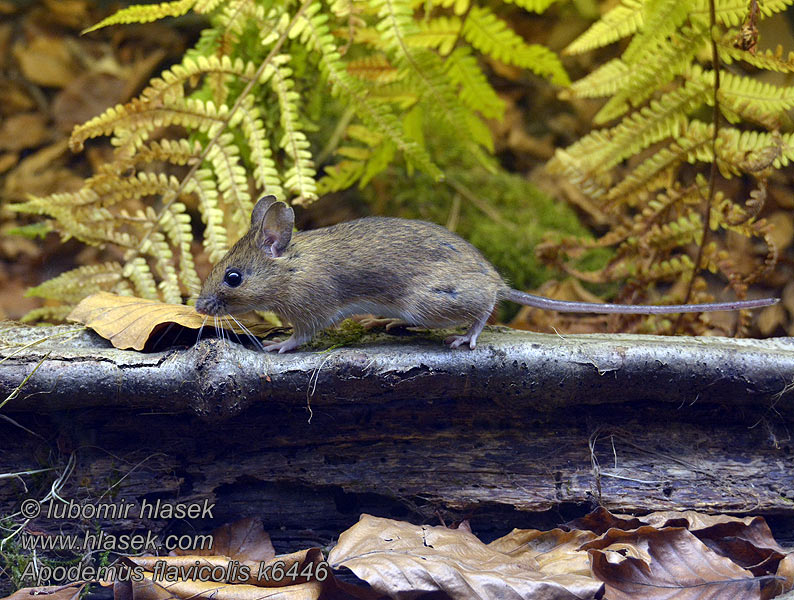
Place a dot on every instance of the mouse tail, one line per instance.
(632, 309)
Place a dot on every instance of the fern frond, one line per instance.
(138, 272)
(661, 18)
(175, 223)
(264, 168)
(163, 103)
(47, 314)
(667, 269)
(459, 7)
(374, 68)
(176, 152)
(733, 12)
(145, 13)
(754, 100)
(72, 286)
(691, 145)
(475, 91)
(768, 60)
(312, 28)
(440, 33)
(606, 80)
(649, 73)
(622, 21)
(537, 6)
(490, 35)
(232, 178)
(662, 118)
(215, 239)
(299, 178)
(340, 176)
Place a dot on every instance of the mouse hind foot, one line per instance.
(470, 337)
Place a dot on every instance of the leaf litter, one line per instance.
(664, 555)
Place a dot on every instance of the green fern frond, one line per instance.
(661, 119)
(264, 168)
(661, 18)
(606, 80)
(440, 33)
(232, 178)
(664, 61)
(340, 176)
(299, 178)
(475, 91)
(537, 6)
(145, 13)
(492, 36)
(754, 100)
(313, 29)
(768, 60)
(733, 12)
(622, 21)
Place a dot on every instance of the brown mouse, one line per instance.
(415, 271)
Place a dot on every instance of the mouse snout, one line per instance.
(210, 305)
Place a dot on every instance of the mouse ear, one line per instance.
(275, 230)
(260, 209)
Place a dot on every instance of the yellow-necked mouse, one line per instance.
(415, 271)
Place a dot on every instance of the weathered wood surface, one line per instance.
(529, 429)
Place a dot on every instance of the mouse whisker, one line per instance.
(227, 322)
(203, 323)
(248, 333)
(162, 335)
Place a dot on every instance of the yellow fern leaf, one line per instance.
(622, 21)
(145, 13)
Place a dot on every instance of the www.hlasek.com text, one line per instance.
(132, 543)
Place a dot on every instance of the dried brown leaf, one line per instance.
(666, 563)
(554, 551)
(46, 60)
(404, 560)
(785, 570)
(192, 590)
(24, 130)
(245, 539)
(129, 322)
(601, 520)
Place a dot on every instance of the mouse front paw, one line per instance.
(281, 347)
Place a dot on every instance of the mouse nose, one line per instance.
(208, 305)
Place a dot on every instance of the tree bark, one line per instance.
(527, 430)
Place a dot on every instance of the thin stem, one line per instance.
(715, 65)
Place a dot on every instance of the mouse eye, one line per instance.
(233, 278)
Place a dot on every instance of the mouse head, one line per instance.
(252, 276)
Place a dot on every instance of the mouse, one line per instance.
(413, 271)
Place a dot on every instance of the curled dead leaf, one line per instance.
(403, 560)
(660, 564)
(129, 322)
